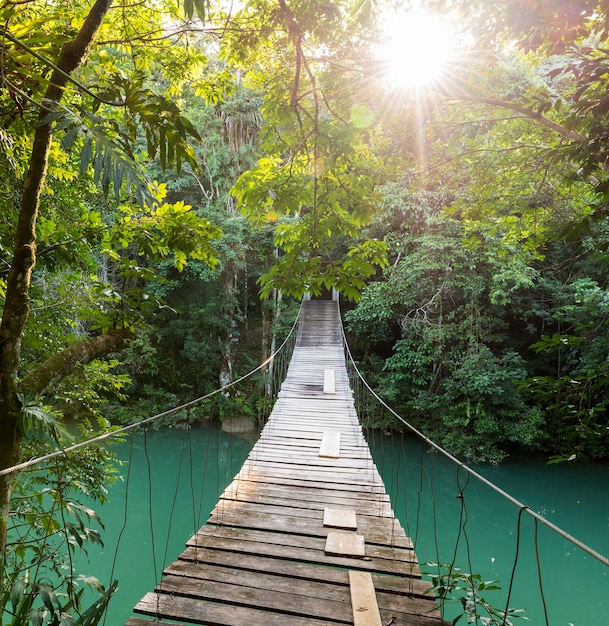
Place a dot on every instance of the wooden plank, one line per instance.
(261, 589)
(381, 563)
(326, 472)
(340, 518)
(345, 544)
(308, 450)
(289, 480)
(329, 382)
(307, 430)
(138, 621)
(209, 562)
(371, 505)
(379, 534)
(261, 459)
(312, 600)
(363, 600)
(347, 461)
(307, 492)
(330, 444)
(374, 509)
(201, 611)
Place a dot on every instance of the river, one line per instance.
(189, 469)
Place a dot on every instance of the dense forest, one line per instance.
(173, 173)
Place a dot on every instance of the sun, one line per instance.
(416, 48)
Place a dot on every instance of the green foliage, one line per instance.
(452, 585)
(48, 524)
(157, 231)
(39, 605)
(317, 180)
(40, 422)
(319, 226)
(436, 316)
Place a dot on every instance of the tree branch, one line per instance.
(59, 366)
(527, 112)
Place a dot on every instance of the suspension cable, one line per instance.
(153, 418)
(591, 551)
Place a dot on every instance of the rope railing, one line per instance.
(287, 345)
(504, 494)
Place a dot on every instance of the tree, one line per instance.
(45, 48)
(565, 46)
(520, 176)
(317, 180)
(437, 315)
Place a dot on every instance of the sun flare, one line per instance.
(416, 48)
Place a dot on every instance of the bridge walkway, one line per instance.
(305, 534)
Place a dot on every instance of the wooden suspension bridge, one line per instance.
(305, 534)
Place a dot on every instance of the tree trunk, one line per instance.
(273, 347)
(229, 337)
(17, 301)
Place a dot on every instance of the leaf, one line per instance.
(86, 153)
(17, 593)
(91, 581)
(96, 611)
(201, 8)
(189, 8)
(37, 616)
(47, 596)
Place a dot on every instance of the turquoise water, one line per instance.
(574, 497)
(423, 488)
(188, 471)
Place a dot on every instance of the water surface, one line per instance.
(171, 480)
(435, 502)
(441, 509)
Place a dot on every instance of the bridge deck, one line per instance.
(280, 547)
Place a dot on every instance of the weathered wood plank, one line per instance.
(309, 492)
(343, 464)
(202, 611)
(138, 621)
(383, 531)
(298, 473)
(330, 444)
(340, 543)
(340, 518)
(363, 600)
(309, 453)
(397, 561)
(329, 381)
(276, 479)
(209, 562)
(311, 599)
(371, 507)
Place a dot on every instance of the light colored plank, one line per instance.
(329, 381)
(345, 544)
(340, 518)
(330, 444)
(363, 600)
